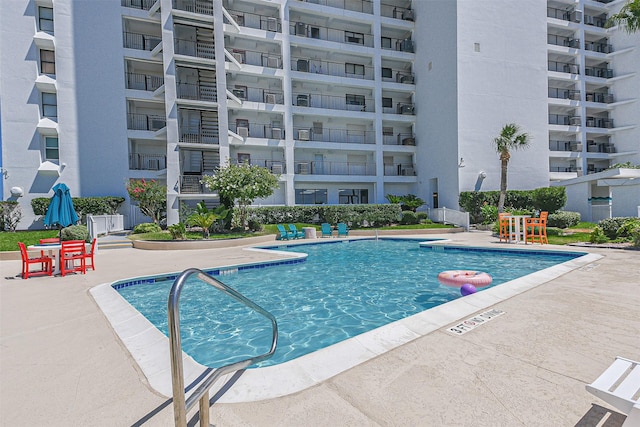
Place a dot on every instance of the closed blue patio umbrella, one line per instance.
(61, 211)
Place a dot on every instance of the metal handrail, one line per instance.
(181, 405)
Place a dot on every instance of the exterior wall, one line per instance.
(578, 200)
(625, 200)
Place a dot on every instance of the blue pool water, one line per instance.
(342, 289)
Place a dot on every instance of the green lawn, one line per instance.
(9, 240)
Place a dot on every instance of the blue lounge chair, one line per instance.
(296, 233)
(284, 234)
(343, 230)
(327, 230)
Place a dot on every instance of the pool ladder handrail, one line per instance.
(181, 404)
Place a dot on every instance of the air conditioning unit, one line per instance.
(406, 109)
(575, 121)
(302, 100)
(576, 147)
(303, 65)
(407, 15)
(301, 29)
(576, 16)
(153, 164)
(303, 168)
(573, 69)
(270, 98)
(409, 141)
(276, 168)
(276, 133)
(273, 62)
(272, 24)
(243, 131)
(238, 57)
(574, 95)
(303, 134)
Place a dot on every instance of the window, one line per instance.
(387, 130)
(356, 69)
(315, 33)
(47, 62)
(51, 151)
(385, 42)
(317, 128)
(45, 19)
(387, 102)
(387, 73)
(355, 99)
(353, 196)
(311, 197)
(351, 37)
(50, 105)
(240, 91)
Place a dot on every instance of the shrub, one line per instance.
(409, 217)
(597, 236)
(254, 225)
(10, 215)
(107, 205)
(356, 215)
(610, 226)
(147, 227)
(635, 237)
(627, 227)
(549, 199)
(178, 231)
(422, 217)
(75, 232)
(489, 214)
(554, 231)
(563, 219)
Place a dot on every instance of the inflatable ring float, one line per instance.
(457, 278)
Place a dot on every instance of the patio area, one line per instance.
(61, 364)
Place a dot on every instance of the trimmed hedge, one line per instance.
(355, 215)
(75, 232)
(107, 205)
(563, 219)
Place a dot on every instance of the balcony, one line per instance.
(364, 6)
(138, 4)
(151, 162)
(259, 59)
(353, 103)
(399, 169)
(146, 82)
(598, 47)
(257, 94)
(301, 29)
(598, 122)
(194, 6)
(563, 14)
(559, 145)
(564, 120)
(600, 147)
(190, 184)
(145, 122)
(339, 69)
(335, 168)
(338, 136)
(596, 21)
(198, 49)
(563, 67)
(199, 136)
(563, 41)
(277, 167)
(396, 12)
(602, 72)
(257, 130)
(253, 20)
(601, 97)
(403, 138)
(197, 92)
(560, 93)
(140, 41)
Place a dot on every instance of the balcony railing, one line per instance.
(602, 97)
(257, 94)
(277, 167)
(197, 92)
(260, 59)
(399, 169)
(340, 69)
(253, 20)
(258, 130)
(198, 136)
(561, 119)
(147, 161)
(563, 67)
(563, 41)
(140, 41)
(147, 82)
(337, 35)
(145, 122)
(195, 48)
(597, 122)
(560, 93)
(195, 6)
(598, 47)
(403, 138)
(190, 184)
(364, 6)
(563, 14)
(334, 168)
(558, 145)
(397, 12)
(603, 72)
(339, 136)
(600, 147)
(138, 4)
(595, 21)
(563, 169)
(315, 100)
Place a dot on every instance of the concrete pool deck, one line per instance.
(62, 364)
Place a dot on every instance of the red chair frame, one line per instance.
(55, 240)
(71, 252)
(46, 263)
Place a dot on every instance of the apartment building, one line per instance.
(345, 100)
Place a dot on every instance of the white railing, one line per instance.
(450, 216)
(104, 224)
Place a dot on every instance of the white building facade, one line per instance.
(346, 100)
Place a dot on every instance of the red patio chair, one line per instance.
(537, 228)
(73, 251)
(89, 255)
(46, 263)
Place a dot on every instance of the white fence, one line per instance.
(104, 224)
(450, 216)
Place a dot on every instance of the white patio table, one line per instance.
(54, 249)
(517, 228)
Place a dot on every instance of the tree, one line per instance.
(241, 184)
(510, 139)
(628, 18)
(204, 218)
(151, 197)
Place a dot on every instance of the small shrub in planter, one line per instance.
(147, 227)
(563, 219)
(409, 217)
(75, 232)
(178, 231)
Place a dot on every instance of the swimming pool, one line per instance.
(325, 299)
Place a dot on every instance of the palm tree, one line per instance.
(628, 18)
(510, 139)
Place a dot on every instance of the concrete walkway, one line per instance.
(62, 365)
